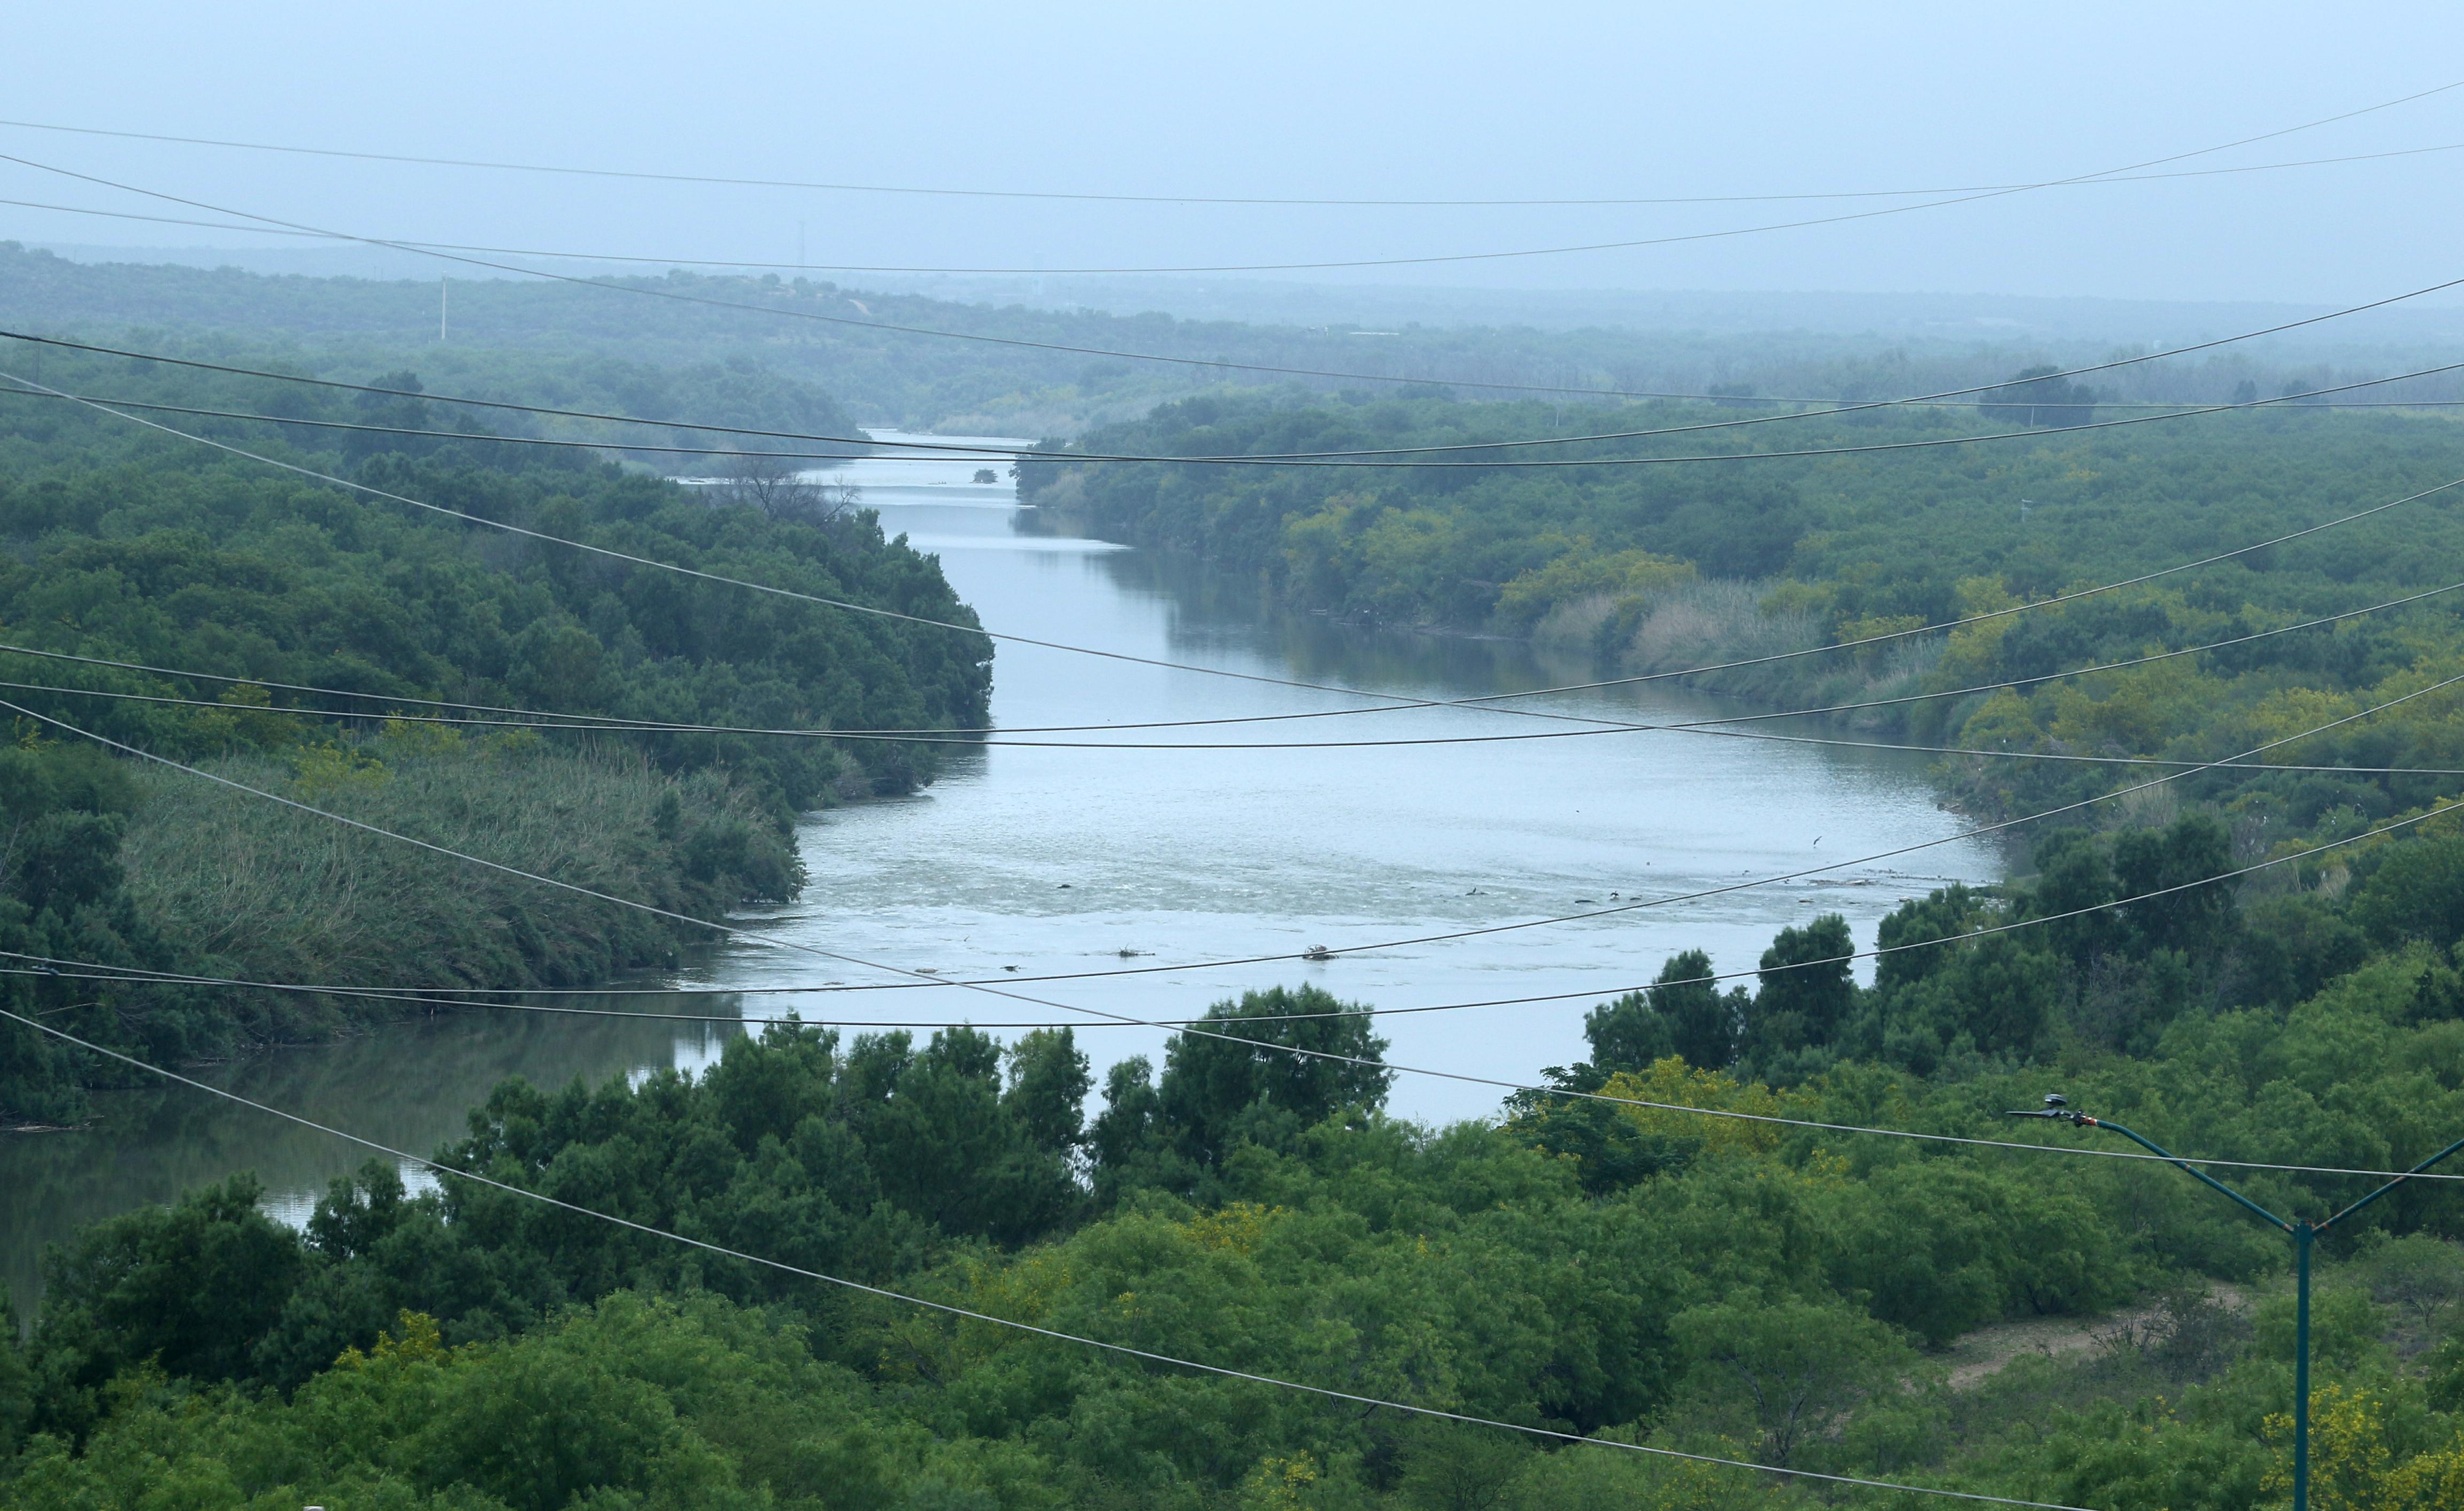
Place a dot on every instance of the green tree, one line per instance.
(1790, 1369)
(16, 1381)
(2417, 893)
(1702, 1020)
(194, 1287)
(1449, 1466)
(1218, 1089)
(1805, 994)
(1627, 1034)
(2196, 920)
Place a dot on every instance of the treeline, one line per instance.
(138, 547)
(1637, 1274)
(1885, 534)
(734, 389)
(834, 337)
(1658, 569)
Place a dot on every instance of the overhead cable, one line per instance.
(739, 181)
(1593, 724)
(947, 1309)
(884, 448)
(755, 265)
(545, 720)
(998, 986)
(1384, 459)
(1197, 1027)
(1218, 363)
(1009, 992)
(1491, 700)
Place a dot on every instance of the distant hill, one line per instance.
(1819, 344)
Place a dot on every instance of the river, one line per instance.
(1058, 861)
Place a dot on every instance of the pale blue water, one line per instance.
(1183, 855)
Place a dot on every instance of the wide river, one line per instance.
(1058, 861)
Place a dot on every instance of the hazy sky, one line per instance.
(1294, 99)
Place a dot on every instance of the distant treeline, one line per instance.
(834, 337)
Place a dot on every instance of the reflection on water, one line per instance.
(1067, 861)
(408, 1086)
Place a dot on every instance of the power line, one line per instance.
(1980, 190)
(1186, 199)
(794, 1020)
(883, 450)
(1595, 725)
(1630, 244)
(947, 1309)
(548, 720)
(1007, 991)
(1398, 700)
(649, 292)
(1381, 459)
(1191, 1027)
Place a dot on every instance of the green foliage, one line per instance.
(1806, 992)
(1842, 548)
(136, 547)
(1791, 1370)
(1217, 1092)
(16, 1381)
(1761, 1291)
(1628, 1265)
(190, 1289)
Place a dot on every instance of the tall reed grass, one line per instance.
(244, 886)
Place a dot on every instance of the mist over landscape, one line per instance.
(1240, 758)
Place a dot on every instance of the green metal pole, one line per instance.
(2303, 1234)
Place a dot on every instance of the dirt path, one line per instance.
(1986, 1352)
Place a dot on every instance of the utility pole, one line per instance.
(2304, 1235)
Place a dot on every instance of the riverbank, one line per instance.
(287, 630)
(226, 883)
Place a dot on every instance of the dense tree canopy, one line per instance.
(132, 546)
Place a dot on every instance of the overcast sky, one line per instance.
(1292, 100)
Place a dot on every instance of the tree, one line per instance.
(949, 1146)
(2416, 893)
(1049, 1083)
(1702, 1020)
(1216, 1090)
(16, 1381)
(2035, 397)
(783, 488)
(192, 1287)
(1450, 1466)
(1807, 993)
(1793, 1369)
(1627, 1034)
(2420, 1275)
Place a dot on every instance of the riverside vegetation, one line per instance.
(1660, 568)
(1778, 1294)
(144, 548)
(1639, 1276)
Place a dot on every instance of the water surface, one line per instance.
(1057, 861)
